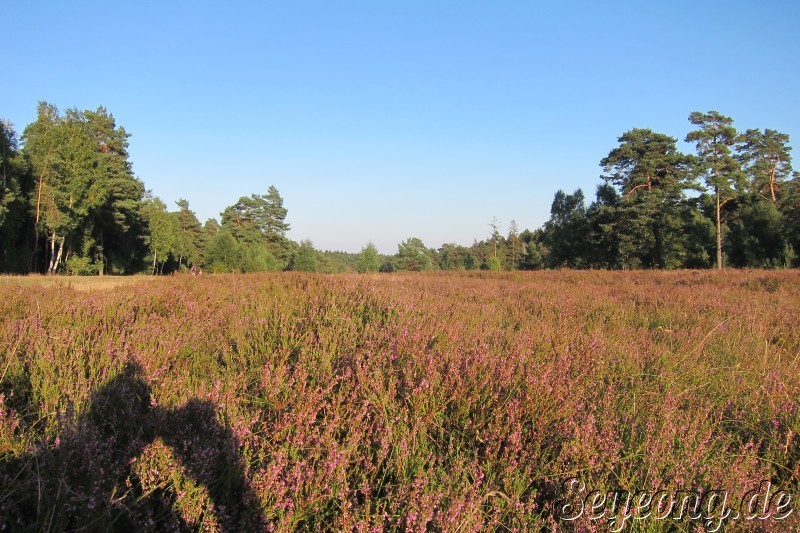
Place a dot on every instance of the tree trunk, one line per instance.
(102, 255)
(57, 261)
(41, 183)
(33, 266)
(719, 231)
(52, 255)
(660, 255)
(155, 255)
(772, 181)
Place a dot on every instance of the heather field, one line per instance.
(429, 402)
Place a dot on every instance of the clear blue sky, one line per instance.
(381, 120)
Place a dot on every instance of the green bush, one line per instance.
(82, 266)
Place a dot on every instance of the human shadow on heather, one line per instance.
(88, 482)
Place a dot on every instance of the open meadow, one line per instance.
(438, 402)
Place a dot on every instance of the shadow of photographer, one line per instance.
(88, 480)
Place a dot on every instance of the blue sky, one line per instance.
(379, 121)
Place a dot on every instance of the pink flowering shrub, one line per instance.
(443, 402)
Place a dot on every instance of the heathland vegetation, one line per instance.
(70, 203)
(432, 401)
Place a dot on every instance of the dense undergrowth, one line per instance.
(440, 402)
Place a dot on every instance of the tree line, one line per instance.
(70, 203)
(735, 202)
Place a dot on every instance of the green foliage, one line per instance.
(259, 220)
(604, 236)
(69, 199)
(790, 208)
(565, 232)
(85, 199)
(189, 236)
(514, 248)
(456, 257)
(116, 223)
(643, 216)
(715, 138)
(368, 260)
(81, 266)
(412, 255)
(651, 176)
(755, 237)
(647, 161)
(305, 259)
(222, 254)
(699, 235)
(767, 162)
(332, 262)
(252, 258)
(14, 191)
(533, 255)
(163, 232)
(494, 264)
(257, 226)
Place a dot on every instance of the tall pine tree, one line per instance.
(715, 137)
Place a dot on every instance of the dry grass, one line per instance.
(79, 283)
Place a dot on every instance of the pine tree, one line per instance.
(651, 176)
(715, 138)
(259, 220)
(766, 159)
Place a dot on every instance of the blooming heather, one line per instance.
(439, 401)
